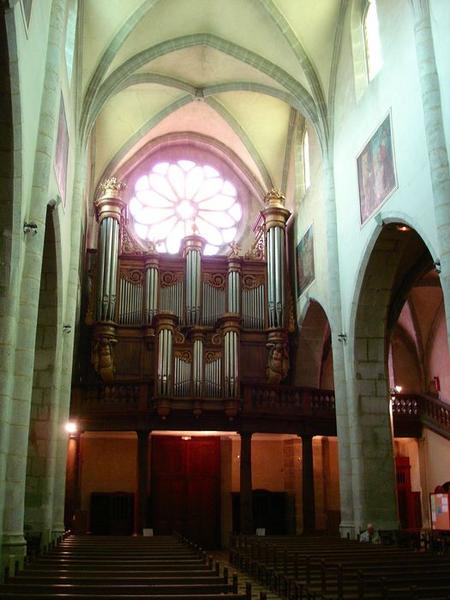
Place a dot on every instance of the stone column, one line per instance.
(140, 520)
(246, 502)
(435, 138)
(309, 512)
(340, 359)
(19, 380)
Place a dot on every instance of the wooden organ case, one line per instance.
(189, 329)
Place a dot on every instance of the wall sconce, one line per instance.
(71, 427)
(342, 337)
(395, 390)
(437, 265)
(67, 328)
(30, 228)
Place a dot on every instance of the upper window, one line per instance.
(306, 161)
(179, 198)
(71, 30)
(372, 39)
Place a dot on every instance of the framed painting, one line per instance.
(305, 262)
(62, 152)
(376, 170)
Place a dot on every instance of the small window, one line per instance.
(71, 29)
(374, 60)
(306, 162)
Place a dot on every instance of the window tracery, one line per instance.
(179, 198)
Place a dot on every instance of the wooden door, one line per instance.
(185, 488)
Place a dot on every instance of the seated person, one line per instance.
(370, 535)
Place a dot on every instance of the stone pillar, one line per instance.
(18, 360)
(142, 475)
(246, 502)
(435, 138)
(340, 360)
(309, 512)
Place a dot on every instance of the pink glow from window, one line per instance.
(177, 199)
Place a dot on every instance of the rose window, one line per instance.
(181, 198)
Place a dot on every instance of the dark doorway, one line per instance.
(185, 488)
(112, 513)
(272, 511)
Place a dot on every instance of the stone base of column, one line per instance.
(14, 551)
(347, 530)
(57, 532)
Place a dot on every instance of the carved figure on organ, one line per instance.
(102, 358)
(278, 362)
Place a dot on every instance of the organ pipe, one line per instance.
(165, 326)
(151, 289)
(234, 285)
(197, 366)
(231, 355)
(192, 251)
(108, 210)
(276, 216)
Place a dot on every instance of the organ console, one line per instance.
(194, 326)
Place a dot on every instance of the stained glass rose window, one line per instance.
(179, 198)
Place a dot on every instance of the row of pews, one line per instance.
(160, 568)
(325, 568)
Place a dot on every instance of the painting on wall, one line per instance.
(376, 170)
(305, 262)
(62, 152)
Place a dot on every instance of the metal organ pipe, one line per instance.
(192, 251)
(275, 216)
(108, 208)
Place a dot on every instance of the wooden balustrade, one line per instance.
(261, 402)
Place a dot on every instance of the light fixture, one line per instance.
(394, 391)
(342, 337)
(437, 265)
(186, 438)
(403, 228)
(30, 228)
(67, 328)
(71, 427)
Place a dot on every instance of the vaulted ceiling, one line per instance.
(245, 72)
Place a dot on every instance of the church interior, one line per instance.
(224, 272)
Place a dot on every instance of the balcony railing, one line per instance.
(261, 401)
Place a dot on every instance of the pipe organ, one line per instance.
(194, 325)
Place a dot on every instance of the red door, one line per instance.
(185, 488)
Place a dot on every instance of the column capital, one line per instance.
(110, 203)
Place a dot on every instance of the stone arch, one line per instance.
(314, 357)
(44, 401)
(394, 258)
(118, 76)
